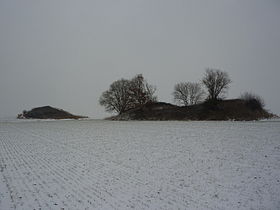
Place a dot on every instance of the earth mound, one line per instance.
(47, 112)
(235, 109)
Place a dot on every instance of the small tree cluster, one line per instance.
(125, 94)
(215, 81)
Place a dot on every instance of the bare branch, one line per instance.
(187, 93)
(216, 82)
(126, 94)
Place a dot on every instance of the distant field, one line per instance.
(142, 165)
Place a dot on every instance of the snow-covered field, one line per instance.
(139, 165)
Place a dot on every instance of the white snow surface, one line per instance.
(95, 164)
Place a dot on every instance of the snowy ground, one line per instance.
(141, 165)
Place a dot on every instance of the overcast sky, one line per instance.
(65, 53)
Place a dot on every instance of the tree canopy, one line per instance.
(125, 94)
(188, 93)
(216, 82)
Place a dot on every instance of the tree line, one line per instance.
(125, 94)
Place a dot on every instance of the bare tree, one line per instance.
(188, 93)
(216, 82)
(117, 98)
(126, 94)
(140, 91)
(253, 100)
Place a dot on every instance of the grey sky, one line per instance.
(66, 53)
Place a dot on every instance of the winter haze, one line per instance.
(66, 53)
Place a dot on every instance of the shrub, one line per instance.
(253, 101)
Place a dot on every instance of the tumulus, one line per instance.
(234, 109)
(47, 112)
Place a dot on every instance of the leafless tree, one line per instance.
(140, 91)
(117, 98)
(253, 100)
(126, 94)
(216, 82)
(188, 93)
